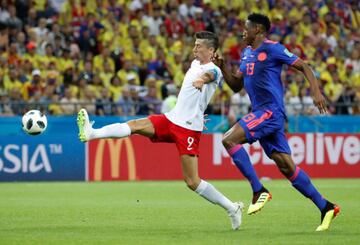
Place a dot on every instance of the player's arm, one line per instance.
(235, 81)
(318, 98)
(205, 78)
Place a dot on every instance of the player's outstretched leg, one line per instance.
(301, 181)
(209, 192)
(87, 132)
(242, 161)
(84, 125)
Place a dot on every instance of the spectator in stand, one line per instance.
(122, 38)
(20, 43)
(346, 99)
(35, 86)
(116, 88)
(308, 107)
(4, 12)
(88, 100)
(87, 70)
(4, 36)
(294, 47)
(13, 20)
(240, 105)
(137, 100)
(187, 9)
(174, 26)
(125, 103)
(170, 101)
(128, 68)
(197, 22)
(154, 20)
(334, 88)
(104, 103)
(101, 59)
(150, 103)
(11, 81)
(41, 32)
(31, 20)
(293, 103)
(5, 104)
(16, 102)
(354, 60)
(96, 86)
(13, 56)
(68, 102)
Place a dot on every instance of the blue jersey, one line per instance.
(261, 69)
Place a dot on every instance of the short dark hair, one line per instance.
(261, 20)
(211, 38)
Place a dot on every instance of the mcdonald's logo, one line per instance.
(114, 149)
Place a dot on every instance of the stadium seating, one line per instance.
(120, 57)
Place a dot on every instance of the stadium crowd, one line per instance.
(123, 57)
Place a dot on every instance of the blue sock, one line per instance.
(242, 162)
(301, 181)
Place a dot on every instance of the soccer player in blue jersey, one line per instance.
(259, 73)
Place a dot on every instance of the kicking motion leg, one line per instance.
(301, 181)
(232, 141)
(117, 130)
(208, 191)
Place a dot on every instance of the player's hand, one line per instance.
(320, 103)
(205, 121)
(198, 84)
(217, 60)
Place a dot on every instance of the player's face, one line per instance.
(201, 51)
(250, 32)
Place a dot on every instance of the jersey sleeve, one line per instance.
(218, 76)
(193, 63)
(283, 55)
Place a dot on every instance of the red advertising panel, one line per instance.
(137, 158)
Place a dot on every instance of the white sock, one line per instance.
(209, 192)
(116, 130)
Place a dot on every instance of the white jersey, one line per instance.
(191, 104)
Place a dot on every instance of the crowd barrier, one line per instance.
(63, 157)
(41, 158)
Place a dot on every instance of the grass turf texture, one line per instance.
(168, 213)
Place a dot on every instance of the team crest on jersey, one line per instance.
(288, 53)
(262, 56)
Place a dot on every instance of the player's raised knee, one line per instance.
(286, 171)
(227, 142)
(135, 125)
(141, 126)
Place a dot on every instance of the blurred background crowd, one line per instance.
(129, 57)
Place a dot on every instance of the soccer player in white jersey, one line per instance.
(182, 125)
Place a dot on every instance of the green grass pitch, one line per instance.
(169, 213)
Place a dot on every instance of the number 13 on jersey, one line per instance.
(250, 68)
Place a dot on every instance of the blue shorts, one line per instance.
(267, 126)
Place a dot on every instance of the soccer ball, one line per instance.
(34, 122)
